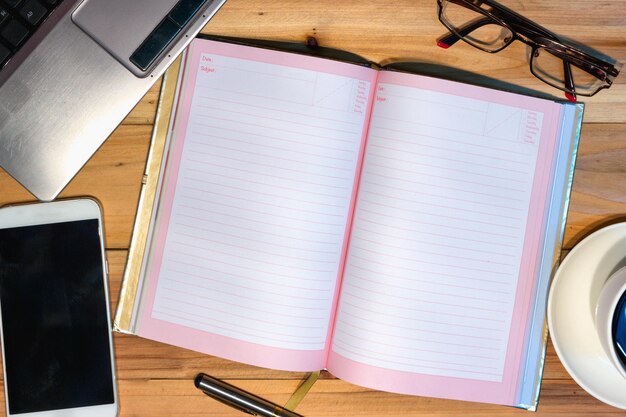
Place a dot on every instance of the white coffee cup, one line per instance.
(610, 295)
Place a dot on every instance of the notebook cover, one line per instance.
(552, 256)
(147, 197)
(128, 297)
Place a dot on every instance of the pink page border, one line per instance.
(226, 347)
(506, 391)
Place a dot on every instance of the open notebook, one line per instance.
(395, 229)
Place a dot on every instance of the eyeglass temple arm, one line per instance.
(569, 82)
(451, 38)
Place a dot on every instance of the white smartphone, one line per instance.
(57, 346)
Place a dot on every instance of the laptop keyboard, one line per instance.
(18, 20)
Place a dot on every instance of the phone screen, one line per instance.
(54, 317)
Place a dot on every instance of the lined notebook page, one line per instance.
(260, 199)
(438, 234)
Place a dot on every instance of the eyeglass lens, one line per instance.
(475, 28)
(551, 69)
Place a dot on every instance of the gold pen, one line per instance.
(240, 399)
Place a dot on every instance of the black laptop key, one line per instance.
(14, 33)
(185, 10)
(32, 11)
(13, 3)
(18, 20)
(4, 16)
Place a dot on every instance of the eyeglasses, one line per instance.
(492, 27)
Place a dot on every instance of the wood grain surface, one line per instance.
(156, 379)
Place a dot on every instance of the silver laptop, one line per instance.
(71, 70)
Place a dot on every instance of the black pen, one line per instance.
(240, 399)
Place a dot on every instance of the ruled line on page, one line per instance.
(375, 197)
(440, 225)
(421, 311)
(245, 104)
(429, 185)
(211, 309)
(262, 205)
(478, 133)
(249, 288)
(267, 73)
(303, 143)
(471, 141)
(314, 231)
(445, 103)
(330, 136)
(287, 120)
(273, 157)
(245, 305)
(414, 367)
(429, 251)
(432, 283)
(266, 165)
(309, 93)
(433, 343)
(209, 274)
(259, 217)
(261, 241)
(421, 164)
(177, 293)
(261, 202)
(247, 230)
(472, 123)
(273, 166)
(426, 329)
(452, 358)
(272, 148)
(456, 306)
(411, 365)
(447, 159)
(386, 313)
(426, 270)
(508, 187)
(437, 235)
(391, 228)
(266, 175)
(234, 295)
(268, 274)
(430, 243)
(381, 254)
(184, 236)
(425, 145)
(276, 195)
(283, 263)
(446, 197)
(253, 97)
(240, 328)
(385, 231)
(262, 183)
(435, 253)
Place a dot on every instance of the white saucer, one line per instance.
(571, 313)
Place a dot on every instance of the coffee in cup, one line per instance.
(619, 329)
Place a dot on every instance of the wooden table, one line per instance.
(156, 380)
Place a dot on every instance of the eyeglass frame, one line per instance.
(533, 35)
